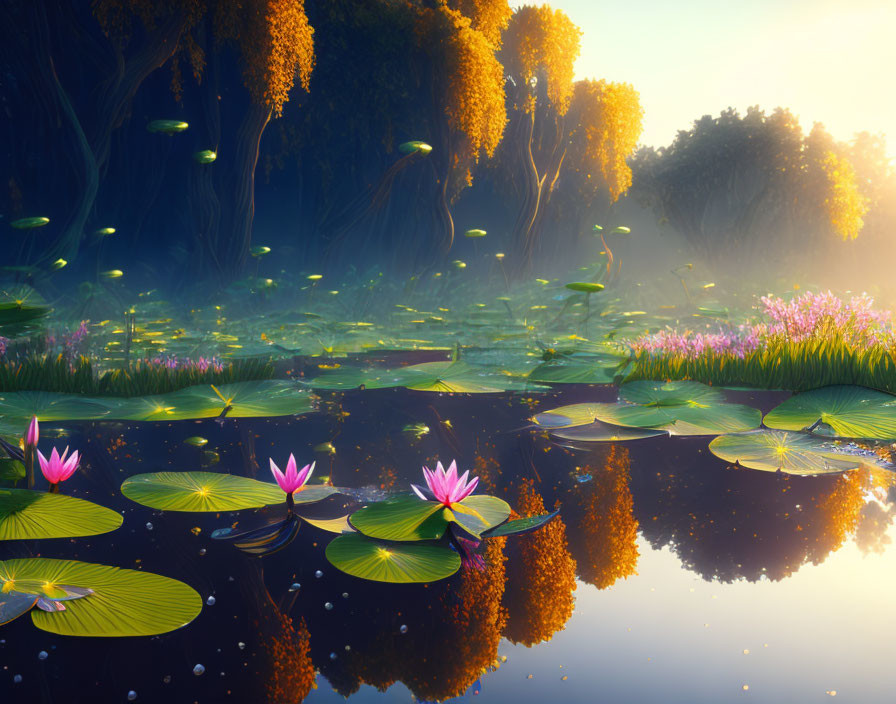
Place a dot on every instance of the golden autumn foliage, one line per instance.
(541, 575)
(833, 180)
(274, 37)
(487, 16)
(604, 539)
(838, 513)
(472, 94)
(607, 123)
(541, 45)
(277, 46)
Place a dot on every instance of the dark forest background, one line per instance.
(309, 107)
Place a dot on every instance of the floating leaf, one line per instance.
(11, 470)
(206, 156)
(248, 399)
(584, 287)
(123, 603)
(26, 514)
(211, 492)
(397, 563)
(849, 411)
(14, 604)
(331, 525)
(401, 518)
(415, 146)
(519, 526)
(479, 513)
(29, 223)
(604, 432)
(673, 393)
(793, 453)
(167, 126)
(47, 405)
(600, 372)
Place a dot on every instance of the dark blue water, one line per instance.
(696, 582)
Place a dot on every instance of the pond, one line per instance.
(669, 575)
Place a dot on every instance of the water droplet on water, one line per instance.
(295, 586)
(167, 679)
(403, 629)
(42, 655)
(132, 695)
(149, 526)
(202, 551)
(210, 601)
(333, 656)
(347, 648)
(241, 645)
(318, 574)
(328, 606)
(17, 679)
(199, 670)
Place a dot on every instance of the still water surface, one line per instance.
(695, 582)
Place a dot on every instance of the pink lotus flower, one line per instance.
(294, 479)
(445, 487)
(58, 469)
(33, 434)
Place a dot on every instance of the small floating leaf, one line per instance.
(196, 441)
(167, 126)
(397, 563)
(29, 223)
(112, 274)
(521, 525)
(474, 233)
(415, 146)
(584, 287)
(58, 264)
(259, 250)
(206, 156)
(401, 518)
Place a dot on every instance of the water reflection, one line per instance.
(723, 524)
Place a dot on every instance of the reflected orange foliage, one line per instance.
(289, 674)
(607, 119)
(539, 594)
(838, 513)
(605, 538)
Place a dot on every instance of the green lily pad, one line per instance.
(793, 453)
(211, 492)
(47, 406)
(160, 408)
(123, 603)
(26, 514)
(29, 223)
(331, 525)
(404, 517)
(479, 513)
(449, 377)
(679, 408)
(584, 287)
(11, 470)
(673, 393)
(396, 563)
(603, 432)
(600, 372)
(848, 411)
(249, 399)
(519, 526)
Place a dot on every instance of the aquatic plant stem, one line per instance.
(29, 466)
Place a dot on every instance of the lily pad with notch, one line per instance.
(844, 411)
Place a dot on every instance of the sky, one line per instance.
(829, 61)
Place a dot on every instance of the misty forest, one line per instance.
(265, 259)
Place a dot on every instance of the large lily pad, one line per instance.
(252, 399)
(679, 408)
(403, 517)
(47, 405)
(399, 563)
(123, 603)
(26, 514)
(162, 407)
(604, 432)
(793, 453)
(845, 411)
(206, 492)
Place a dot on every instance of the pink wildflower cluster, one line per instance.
(201, 365)
(690, 344)
(812, 316)
(816, 315)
